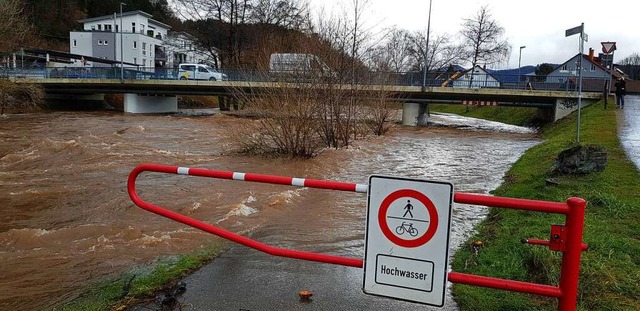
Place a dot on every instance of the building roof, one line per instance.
(616, 74)
(128, 13)
(75, 56)
(478, 67)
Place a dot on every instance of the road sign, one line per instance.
(573, 31)
(608, 47)
(407, 239)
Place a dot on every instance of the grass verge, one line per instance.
(610, 269)
(141, 284)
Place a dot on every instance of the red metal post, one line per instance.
(570, 272)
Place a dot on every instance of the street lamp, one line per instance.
(519, 60)
(121, 46)
(426, 51)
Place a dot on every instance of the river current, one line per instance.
(66, 220)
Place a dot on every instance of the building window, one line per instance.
(100, 42)
(106, 42)
(93, 27)
(107, 27)
(75, 43)
(144, 62)
(117, 28)
(133, 27)
(564, 67)
(144, 46)
(99, 26)
(593, 67)
(135, 60)
(135, 44)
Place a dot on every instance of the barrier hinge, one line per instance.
(558, 238)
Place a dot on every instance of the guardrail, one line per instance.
(504, 81)
(565, 238)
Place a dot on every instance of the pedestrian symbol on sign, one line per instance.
(408, 207)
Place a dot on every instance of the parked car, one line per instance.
(199, 72)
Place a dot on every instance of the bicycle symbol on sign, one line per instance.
(406, 227)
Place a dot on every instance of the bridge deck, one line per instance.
(406, 93)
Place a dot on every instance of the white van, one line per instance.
(199, 72)
(298, 64)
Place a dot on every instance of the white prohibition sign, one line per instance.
(407, 239)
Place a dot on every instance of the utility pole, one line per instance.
(426, 51)
(121, 46)
(519, 66)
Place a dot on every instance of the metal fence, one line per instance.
(446, 79)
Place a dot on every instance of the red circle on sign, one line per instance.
(431, 209)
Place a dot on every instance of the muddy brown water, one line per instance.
(66, 219)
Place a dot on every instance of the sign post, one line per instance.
(407, 239)
(583, 39)
(608, 48)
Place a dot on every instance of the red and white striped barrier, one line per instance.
(271, 179)
(479, 103)
(568, 239)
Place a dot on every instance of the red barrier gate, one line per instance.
(565, 238)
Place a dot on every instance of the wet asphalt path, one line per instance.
(629, 130)
(229, 285)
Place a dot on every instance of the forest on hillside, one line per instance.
(243, 33)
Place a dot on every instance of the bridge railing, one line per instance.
(447, 79)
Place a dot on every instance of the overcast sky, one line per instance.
(539, 25)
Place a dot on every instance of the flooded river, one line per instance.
(66, 219)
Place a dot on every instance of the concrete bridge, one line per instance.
(159, 96)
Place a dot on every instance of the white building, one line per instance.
(181, 47)
(147, 43)
(481, 79)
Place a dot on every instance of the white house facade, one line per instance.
(181, 47)
(594, 74)
(481, 79)
(143, 43)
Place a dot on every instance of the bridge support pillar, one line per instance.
(414, 114)
(135, 103)
(565, 106)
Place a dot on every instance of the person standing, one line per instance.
(621, 91)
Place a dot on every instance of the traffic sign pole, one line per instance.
(609, 47)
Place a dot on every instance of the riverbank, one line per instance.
(609, 260)
(610, 269)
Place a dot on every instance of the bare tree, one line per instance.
(291, 14)
(13, 95)
(442, 51)
(14, 29)
(228, 19)
(394, 53)
(483, 42)
(631, 65)
(225, 16)
(287, 122)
